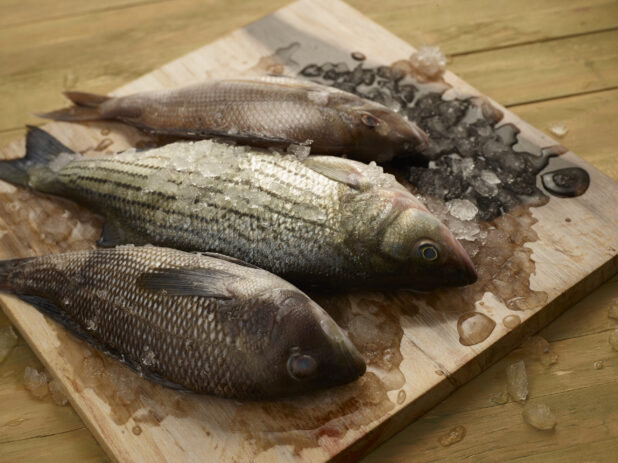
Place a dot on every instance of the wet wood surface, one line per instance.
(581, 39)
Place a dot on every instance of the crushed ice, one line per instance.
(517, 381)
(539, 416)
(429, 61)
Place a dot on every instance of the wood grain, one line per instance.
(580, 395)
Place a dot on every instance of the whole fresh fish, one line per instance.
(321, 221)
(268, 111)
(205, 323)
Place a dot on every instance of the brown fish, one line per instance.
(268, 111)
(201, 322)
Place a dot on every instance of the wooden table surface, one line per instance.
(550, 62)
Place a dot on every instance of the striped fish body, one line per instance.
(191, 321)
(268, 209)
(321, 221)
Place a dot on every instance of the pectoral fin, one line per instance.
(114, 235)
(190, 282)
(337, 169)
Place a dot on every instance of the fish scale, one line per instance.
(222, 338)
(283, 192)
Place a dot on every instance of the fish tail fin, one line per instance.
(41, 150)
(7, 267)
(86, 108)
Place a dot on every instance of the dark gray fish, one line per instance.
(266, 111)
(322, 221)
(201, 322)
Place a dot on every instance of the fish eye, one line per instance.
(369, 120)
(428, 252)
(301, 366)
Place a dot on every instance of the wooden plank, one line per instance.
(33, 60)
(580, 338)
(27, 417)
(589, 119)
(419, 350)
(467, 27)
(18, 12)
(589, 136)
(57, 447)
(561, 68)
(36, 68)
(587, 427)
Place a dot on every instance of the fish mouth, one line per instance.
(465, 273)
(353, 360)
(422, 140)
(347, 353)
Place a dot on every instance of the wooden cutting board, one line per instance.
(411, 342)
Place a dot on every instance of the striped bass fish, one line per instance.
(323, 221)
(268, 111)
(204, 323)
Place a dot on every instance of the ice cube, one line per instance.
(539, 349)
(453, 436)
(517, 381)
(559, 129)
(429, 61)
(489, 177)
(8, 339)
(539, 416)
(613, 339)
(57, 393)
(500, 398)
(300, 151)
(36, 382)
(463, 209)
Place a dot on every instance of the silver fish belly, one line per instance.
(199, 322)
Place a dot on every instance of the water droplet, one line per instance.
(598, 365)
(105, 132)
(539, 416)
(511, 321)
(474, 327)
(358, 56)
(148, 358)
(566, 183)
(453, 436)
(91, 325)
(136, 430)
(401, 397)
